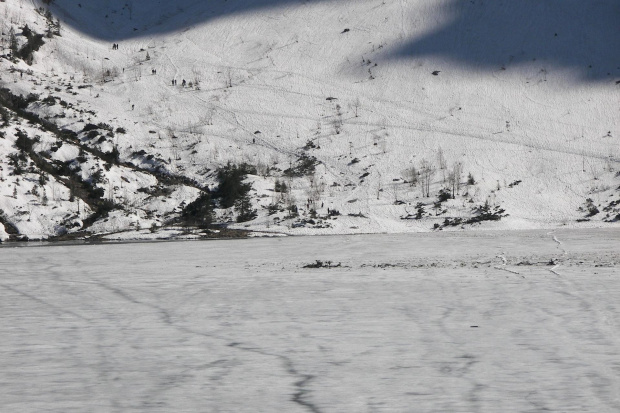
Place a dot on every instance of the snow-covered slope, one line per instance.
(518, 118)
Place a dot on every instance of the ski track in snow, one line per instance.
(504, 264)
(561, 248)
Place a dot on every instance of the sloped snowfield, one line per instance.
(447, 322)
(364, 90)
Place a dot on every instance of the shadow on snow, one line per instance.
(583, 36)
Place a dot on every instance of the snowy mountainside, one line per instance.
(345, 117)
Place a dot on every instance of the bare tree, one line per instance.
(315, 191)
(427, 171)
(356, 106)
(197, 75)
(111, 188)
(454, 178)
(395, 192)
(291, 204)
(262, 168)
(137, 73)
(443, 164)
(441, 159)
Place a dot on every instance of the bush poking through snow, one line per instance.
(444, 195)
(321, 264)
(305, 166)
(589, 208)
(280, 186)
(482, 213)
(487, 212)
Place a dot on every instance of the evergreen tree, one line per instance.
(200, 211)
(243, 207)
(27, 32)
(13, 43)
(231, 186)
(470, 179)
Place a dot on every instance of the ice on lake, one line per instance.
(453, 322)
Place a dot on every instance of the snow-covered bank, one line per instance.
(485, 322)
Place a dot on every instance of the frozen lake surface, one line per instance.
(452, 322)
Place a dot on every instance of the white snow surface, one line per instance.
(447, 322)
(521, 113)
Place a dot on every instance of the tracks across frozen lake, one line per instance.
(420, 322)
